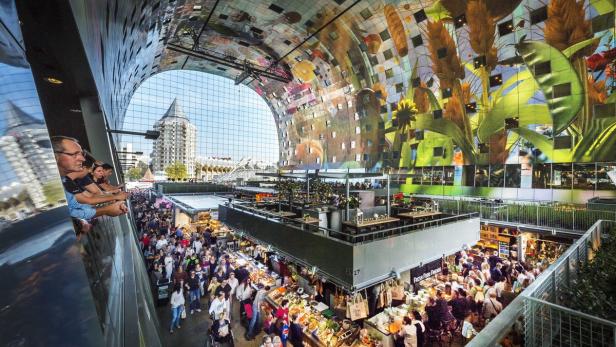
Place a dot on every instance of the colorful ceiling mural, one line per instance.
(403, 84)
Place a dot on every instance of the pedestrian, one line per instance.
(177, 305)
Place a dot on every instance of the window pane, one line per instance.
(561, 176)
(481, 175)
(512, 176)
(541, 176)
(468, 175)
(427, 176)
(584, 176)
(604, 171)
(437, 176)
(497, 175)
(448, 175)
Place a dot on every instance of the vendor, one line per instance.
(296, 332)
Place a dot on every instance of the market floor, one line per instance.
(194, 328)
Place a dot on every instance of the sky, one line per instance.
(16, 86)
(232, 121)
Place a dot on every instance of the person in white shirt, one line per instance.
(409, 333)
(161, 243)
(177, 305)
(468, 330)
(198, 245)
(168, 265)
(233, 283)
(219, 305)
(243, 291)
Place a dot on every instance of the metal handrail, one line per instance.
(496, 330)
(363, 237)
(573, 312)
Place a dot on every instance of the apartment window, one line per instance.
(604, 182)
(497, 176)
(352, 144)
(584, 176)
(357, 130)
(562, 176)
(482, 175)
(513, 175)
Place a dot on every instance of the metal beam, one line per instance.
(275, 62)
(229, 63)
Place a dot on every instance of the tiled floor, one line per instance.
(194, 328)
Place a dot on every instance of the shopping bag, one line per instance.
(381, 299)
(397, 292)
(248, 310)
(358, 309)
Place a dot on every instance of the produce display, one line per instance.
(258, 272)
(321, 331)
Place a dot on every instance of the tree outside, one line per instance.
(198, 170)
(134, 174)
(176, 171)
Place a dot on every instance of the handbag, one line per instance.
(397, 292)
(358, 307)
(381, 299)
(183, 314)
(248, 310)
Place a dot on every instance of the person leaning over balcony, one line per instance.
(103, 182)
(71, 184)
(70, 158)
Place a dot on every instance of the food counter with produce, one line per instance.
(389, 322)
(258, 272)
(321, 327)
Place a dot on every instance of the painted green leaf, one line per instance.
(437, 12)
(520, 76)
(414, 74)
(434, 104)
(603, 6)
(514, 104)
(598, 143)
(541, 142)
(445, 127)
(562, 76)
(569, 51)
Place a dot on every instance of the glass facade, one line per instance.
(231, 121)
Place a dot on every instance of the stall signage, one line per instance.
(427, 270)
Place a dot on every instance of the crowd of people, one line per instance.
(480, 286)
(86, 184)
(205, 282)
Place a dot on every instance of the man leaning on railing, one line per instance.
(82, 206)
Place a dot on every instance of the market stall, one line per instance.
(321, 327)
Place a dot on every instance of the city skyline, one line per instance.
(232, 121)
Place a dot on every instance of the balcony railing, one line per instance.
(552, 217)
(545, 321)
(348, 237)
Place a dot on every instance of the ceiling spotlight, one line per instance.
(53, 80)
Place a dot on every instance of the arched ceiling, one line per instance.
(352, 63)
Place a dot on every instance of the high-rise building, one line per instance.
(25, 145)
(128, 158)
(177, 141)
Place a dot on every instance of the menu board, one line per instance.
(427, 270)
(503, 246)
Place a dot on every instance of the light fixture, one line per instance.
(75, 110)
(53, 80)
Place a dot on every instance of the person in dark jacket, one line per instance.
(221, 330)
(459, 306)
(295, 331)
